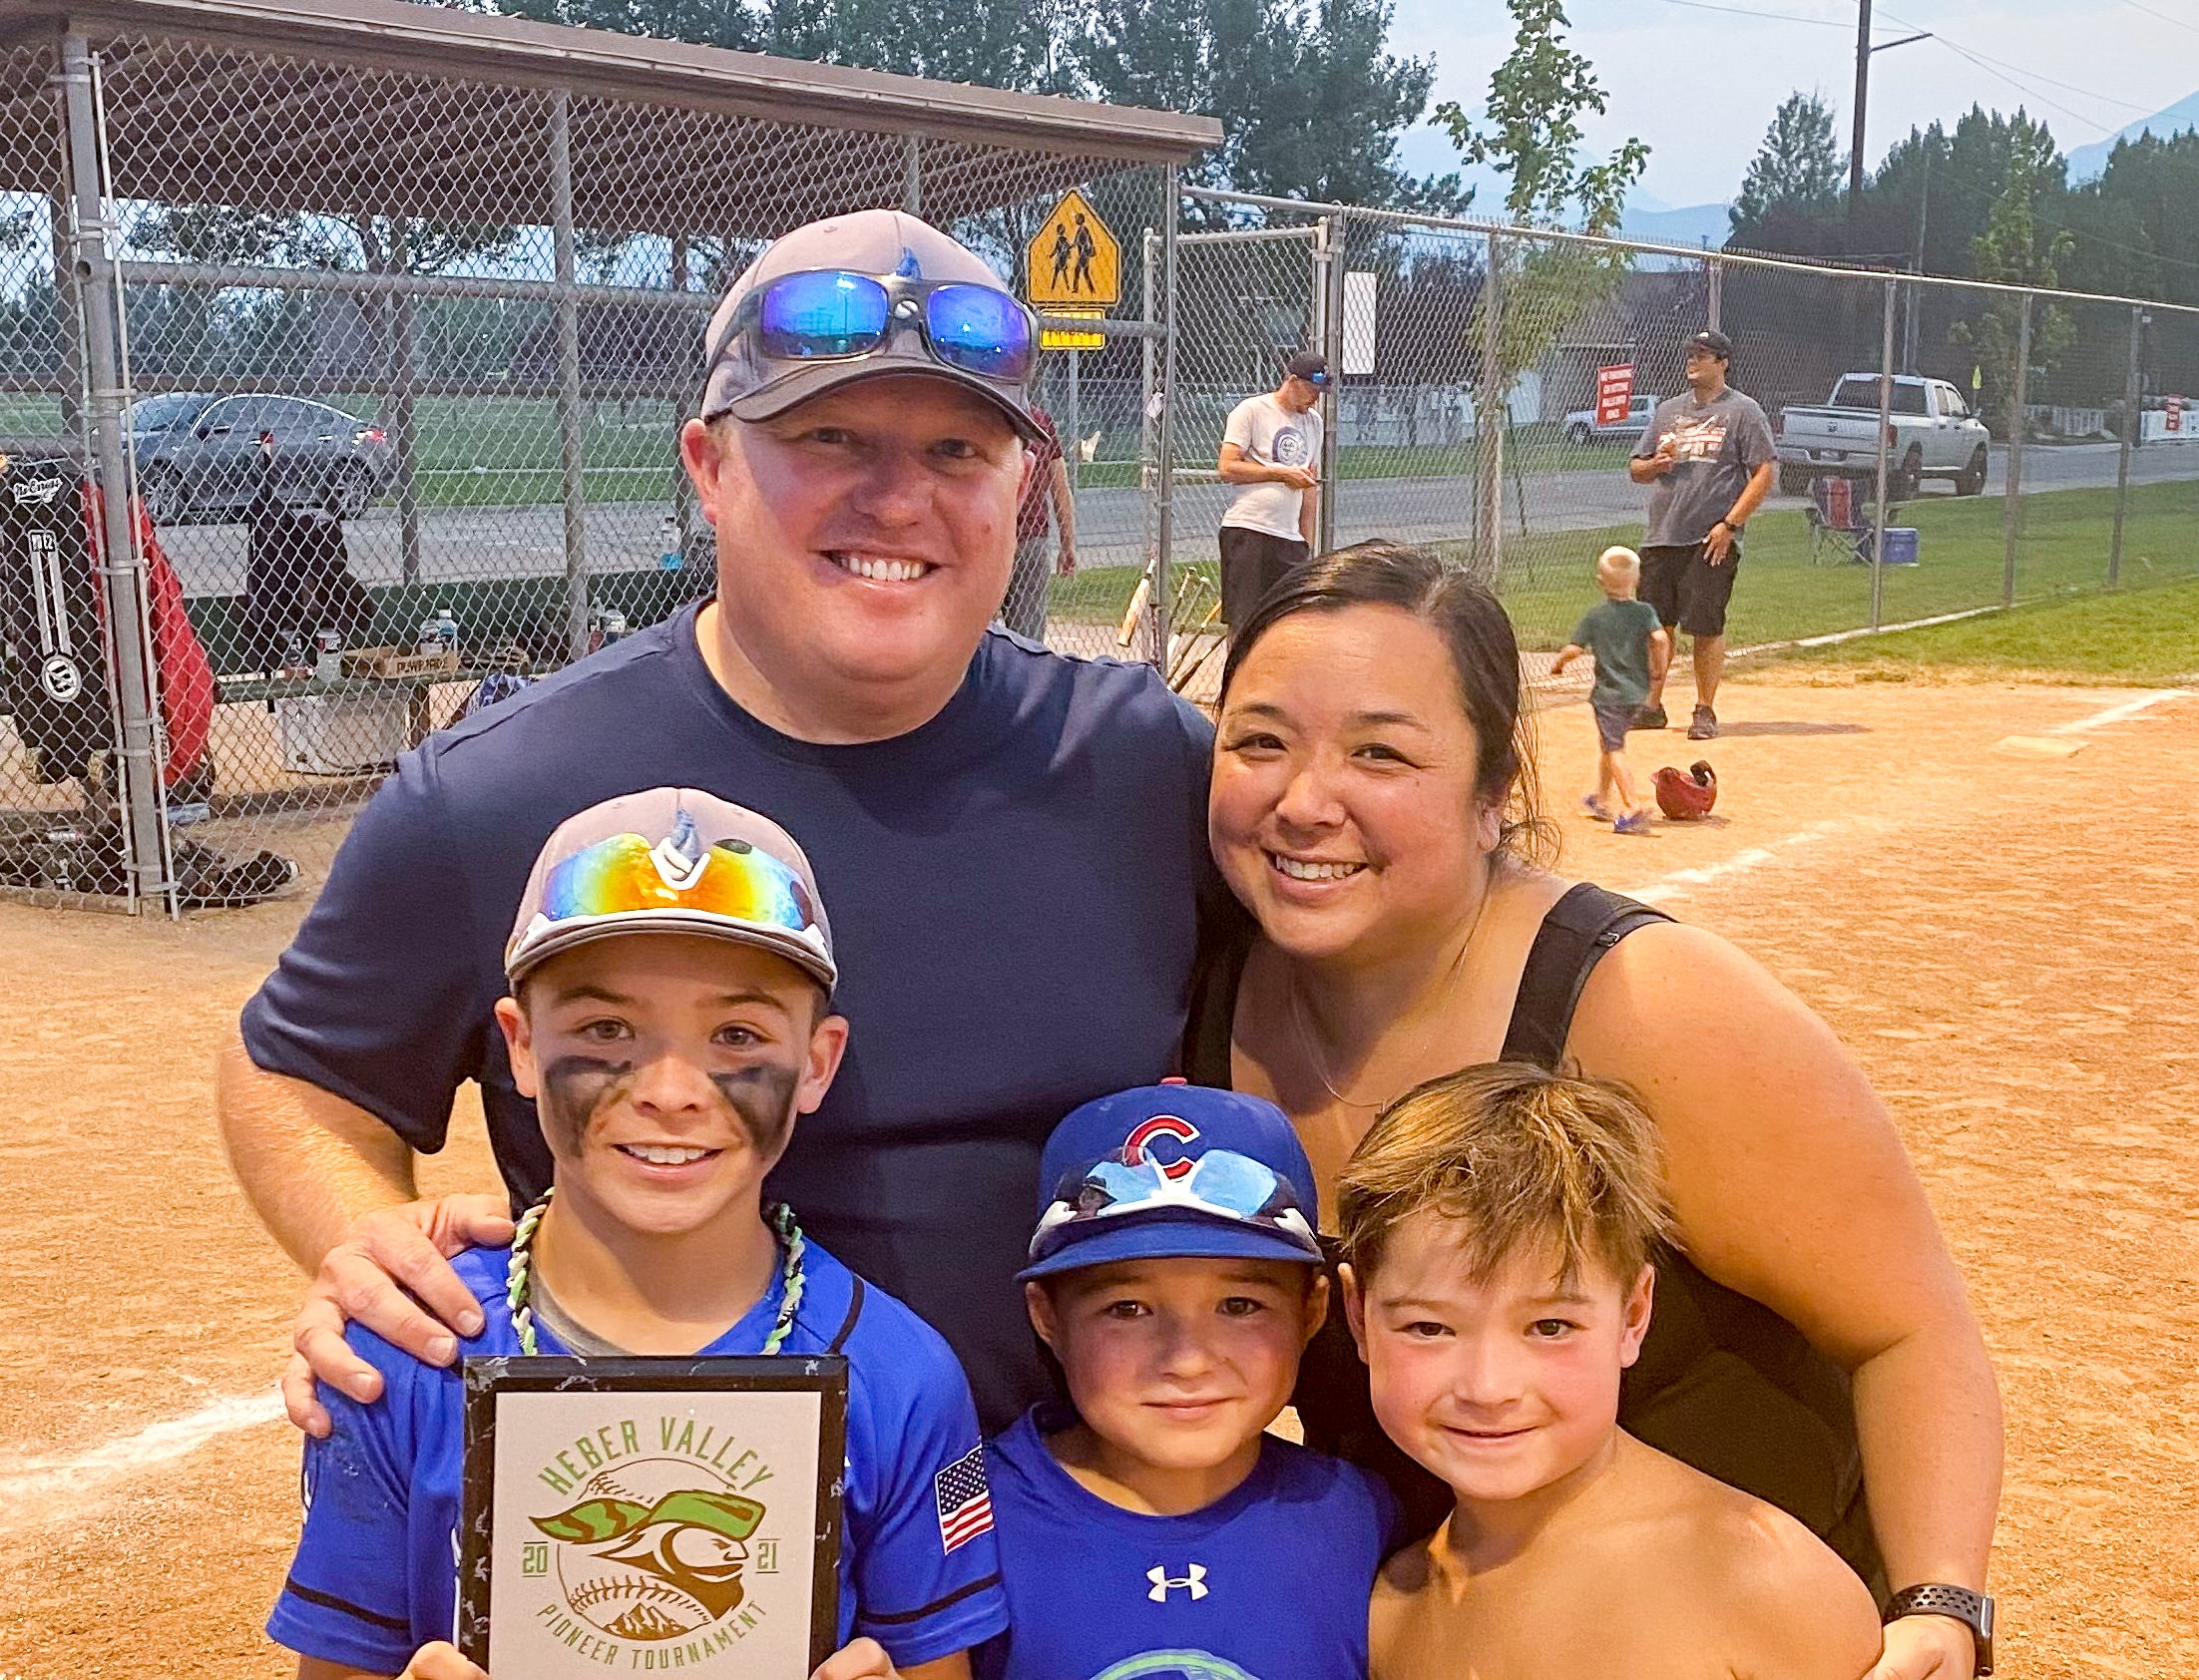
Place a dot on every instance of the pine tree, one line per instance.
(1797, 171)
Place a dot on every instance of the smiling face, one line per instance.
(667, 1069)
(1178, 1364)
(1344, 811)
(1503, 1387)
(864, 538)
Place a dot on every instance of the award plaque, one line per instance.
(639, 1515)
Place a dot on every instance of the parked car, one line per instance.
(1932, 434)
(199, 454)
(1581, 425)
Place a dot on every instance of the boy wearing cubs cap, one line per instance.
(670, 972)
(1148, 1524)
(1498, 1226)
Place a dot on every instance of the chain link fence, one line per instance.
(396, 357)
(1892, 398)
(395, 354)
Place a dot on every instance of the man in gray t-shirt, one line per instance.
(1271, 450)
(1710, 457)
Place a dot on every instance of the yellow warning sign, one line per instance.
(1063, 338)
(1074, 261)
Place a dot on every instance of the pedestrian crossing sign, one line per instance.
(1075, 263)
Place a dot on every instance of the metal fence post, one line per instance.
(1148, 385)
(1165, 478)
(122, 570)
(2012, 497)
(1489, 419)
(912, 179)
(2129, 442)
(1885, 427)
(571, 486)
(1332, 395)
(1717, 287)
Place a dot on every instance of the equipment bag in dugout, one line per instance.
(53, 664)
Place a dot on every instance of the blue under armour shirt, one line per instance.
(1269, 1582)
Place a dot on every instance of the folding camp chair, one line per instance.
(1839, 529)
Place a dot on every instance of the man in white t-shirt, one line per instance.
(1272, 448)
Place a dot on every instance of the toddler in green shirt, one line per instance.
(1631, 648)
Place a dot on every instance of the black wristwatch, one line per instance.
(1934, 1598)
(1730, 526)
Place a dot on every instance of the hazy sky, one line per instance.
(1700, 85)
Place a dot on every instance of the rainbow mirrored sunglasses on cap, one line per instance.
(624, 875)
(1221, 1184)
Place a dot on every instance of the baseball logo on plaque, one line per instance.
(640, 1516)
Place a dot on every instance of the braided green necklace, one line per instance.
(519, 1273)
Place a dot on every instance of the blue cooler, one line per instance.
(1900, 547)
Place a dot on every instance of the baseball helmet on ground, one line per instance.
(1684, 795)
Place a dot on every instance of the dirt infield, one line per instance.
(2005, 935)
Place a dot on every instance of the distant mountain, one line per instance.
(2088, 160)
(1693, 225)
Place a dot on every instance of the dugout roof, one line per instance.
(376, 107)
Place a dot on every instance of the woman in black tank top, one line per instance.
(1371, 808)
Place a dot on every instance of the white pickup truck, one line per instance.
(1933, 435)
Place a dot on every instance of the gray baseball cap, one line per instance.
(671, 860)
(745, 382)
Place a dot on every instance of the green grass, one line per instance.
(1534, 449)
(489, 451)
(1781, 595)
(2146, 637)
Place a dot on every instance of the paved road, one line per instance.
(465, 544)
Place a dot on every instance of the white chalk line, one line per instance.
(27, 1494)
(1676, 883)
(2122, 709)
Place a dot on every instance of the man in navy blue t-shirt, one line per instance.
(1016, 840)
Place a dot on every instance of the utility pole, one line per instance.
(1917, 261)
(1862, 101)
(1863, 50)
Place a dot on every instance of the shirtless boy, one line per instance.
(1497, 1226)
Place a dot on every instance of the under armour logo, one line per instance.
(1194, 1582)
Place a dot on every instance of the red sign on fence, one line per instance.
(2175, 414)
(1615, 394)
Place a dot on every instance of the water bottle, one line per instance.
(328, 656)
(667, 540)
(615, 625)
(431, 634)
(446, 630)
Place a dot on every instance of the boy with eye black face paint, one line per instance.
(670, 1013)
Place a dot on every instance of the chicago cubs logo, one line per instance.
(1138, 1148)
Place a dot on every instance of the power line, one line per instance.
(1987, 59)
(1749, 12)
(2165, 17)
(2052, 103)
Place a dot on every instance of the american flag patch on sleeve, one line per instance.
(965, 1503)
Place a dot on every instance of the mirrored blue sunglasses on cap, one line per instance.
(831, 315)
(1221, 1184)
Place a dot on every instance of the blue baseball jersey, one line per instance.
(1269, 1582)
(376, 1574)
